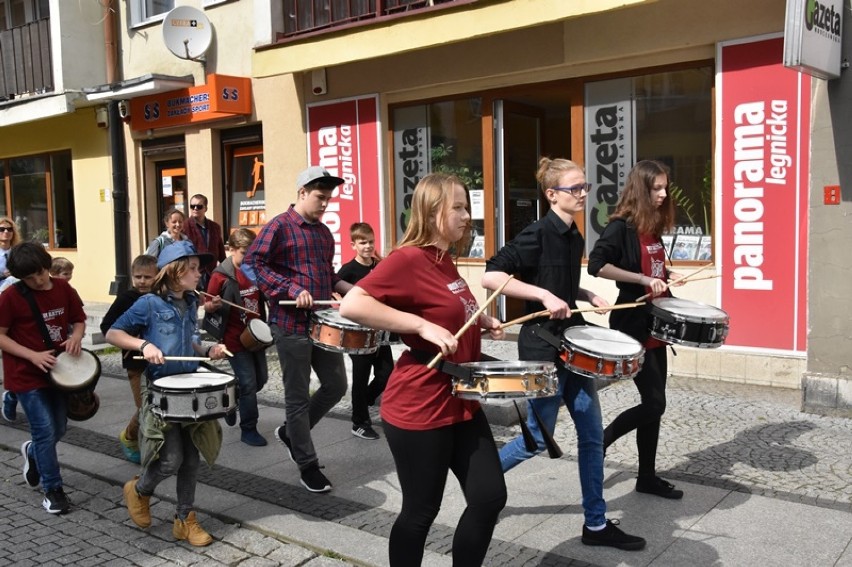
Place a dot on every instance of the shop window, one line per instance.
(663, 116)
(441, 137)
(246, 192)
(41, 198)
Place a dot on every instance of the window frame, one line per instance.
(139, 17)
(48, 193)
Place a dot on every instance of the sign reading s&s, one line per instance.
(222, 97)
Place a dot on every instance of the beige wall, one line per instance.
(78, 132)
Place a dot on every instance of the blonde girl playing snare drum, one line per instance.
(166, 320)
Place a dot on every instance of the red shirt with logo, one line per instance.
(653, 265)
(60, 307)
(250, 298)
(425, 282)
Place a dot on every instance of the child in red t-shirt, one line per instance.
(27, 361)
(417, 292)
(230, 283)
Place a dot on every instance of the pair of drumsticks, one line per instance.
(638, 303)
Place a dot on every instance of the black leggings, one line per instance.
(423, 459)
(644, 418)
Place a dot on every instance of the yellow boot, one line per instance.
(191, 531)
(137, 506)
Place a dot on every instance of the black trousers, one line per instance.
(423, 459)
(644, 418)
(365, 392)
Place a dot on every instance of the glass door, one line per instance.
(517, 148)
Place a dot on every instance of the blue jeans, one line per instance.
(581, 399)
(252, 374)
(178, 456)
(47, 412)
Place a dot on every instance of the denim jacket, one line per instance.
(159, 322)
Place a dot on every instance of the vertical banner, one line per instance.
(763, 114)
(411, 159)
(343, 137)
(608, 149)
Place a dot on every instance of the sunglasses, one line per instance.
(575, 190)
(196, 207)
(6, 229)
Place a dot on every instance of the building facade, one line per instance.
(386, 92)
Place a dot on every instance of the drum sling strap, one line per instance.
(24, 290)
(447, 367)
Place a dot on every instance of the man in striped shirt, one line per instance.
(292, 259)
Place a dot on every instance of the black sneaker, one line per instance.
(658, 487)
(55, 501)
(31, 476)
(281, 435)
(364, 432)
(314, 480)
(611, 536)
(231, 418)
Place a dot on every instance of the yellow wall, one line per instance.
(94, 259)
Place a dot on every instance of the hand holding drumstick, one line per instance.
(679, 280)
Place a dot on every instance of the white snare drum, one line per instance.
(496, 381)
(256, 336)
(78, 376)
(689, 323)
(195, 396)
(331, 331)
(598, 352)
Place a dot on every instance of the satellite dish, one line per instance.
(187, 32)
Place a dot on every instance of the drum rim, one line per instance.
(204, 388)
(615, 356)
(316, 316)
(251, 330)
(724, 317)
(497, 365)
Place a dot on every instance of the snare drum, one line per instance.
(195, 396)
(256, 336)
(494, 381)
(331, 331)
(688, 323)
(598, 352)
(386, 338)
(78, 376)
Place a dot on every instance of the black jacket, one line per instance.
(122, 303)
(547, 254)
(619, 246)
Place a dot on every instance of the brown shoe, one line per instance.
(137, 506)
(191, 531)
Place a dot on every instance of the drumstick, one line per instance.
(198, 358)
(705, 278)
(315, 301)
(470, 321)
(227, 352)
(546, 313)
(678, 280)
(231, 304)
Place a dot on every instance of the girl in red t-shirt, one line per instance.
(417, 292)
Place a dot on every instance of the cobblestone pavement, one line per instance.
(98, 532)
(746, 439)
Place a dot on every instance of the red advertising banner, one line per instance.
(764, 112)
(343, 137)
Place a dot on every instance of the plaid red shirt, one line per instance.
(291, 255)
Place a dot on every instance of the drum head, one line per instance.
(690, 310)
(73, 372)
(333, 318)
(603, 341)
(260, 330)
(192, 381)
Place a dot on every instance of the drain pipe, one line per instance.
(118, 153)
